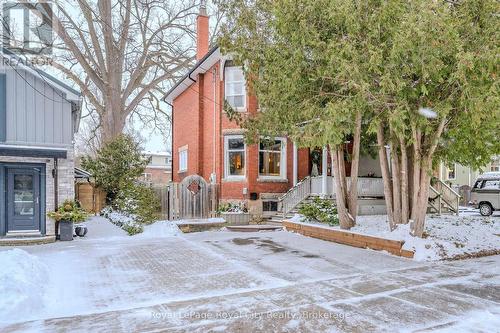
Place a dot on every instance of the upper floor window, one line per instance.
(272, 158)
(235, 89)
(183, 159)
(451, 172)
(234, 151)
(495, 165)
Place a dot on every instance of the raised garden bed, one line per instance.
(234, 218)
(348, 238)
(200, 225)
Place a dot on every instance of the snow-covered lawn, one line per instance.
(445, 237)
(163, 280)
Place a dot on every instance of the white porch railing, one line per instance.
(367, 188)
(295, 195)
(448, 197)
(441, 194)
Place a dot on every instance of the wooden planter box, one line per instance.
(237, 218)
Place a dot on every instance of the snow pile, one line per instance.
(161, 229)
(446, 236)
(22, 284)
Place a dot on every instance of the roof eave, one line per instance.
(185, 82)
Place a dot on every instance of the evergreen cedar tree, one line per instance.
(328, 71)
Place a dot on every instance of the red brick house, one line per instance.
(207, 143)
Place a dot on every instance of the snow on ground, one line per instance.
(446, 236)
(22, 283)
(475, 321)
(160, 229)
(162, 280)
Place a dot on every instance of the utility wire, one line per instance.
(20, 60)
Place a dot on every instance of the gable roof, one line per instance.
(71, 93)
(202, 66)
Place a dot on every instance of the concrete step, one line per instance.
(254, 227)
(276, 223)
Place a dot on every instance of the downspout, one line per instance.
(172, 143)
(214, 80)
(56, 193)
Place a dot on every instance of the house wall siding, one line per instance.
(186, 131)
(32, 118)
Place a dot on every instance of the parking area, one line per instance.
(255, 282)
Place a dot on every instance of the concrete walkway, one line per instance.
(262, 282)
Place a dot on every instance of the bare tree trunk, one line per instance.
(396, 184)
(343, 177)
(345, 219)
(417, 158)
(353, 189)
(417, 226)
(384, 166)
(405, 211)
(120, 56)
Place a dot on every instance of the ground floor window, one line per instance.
(495, 165)
(183, 159)
(234, 151)
(270, 206)
(272, 157)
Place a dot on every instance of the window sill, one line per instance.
(240, 109)
(182, 171)
(234, 180)
(272, 180)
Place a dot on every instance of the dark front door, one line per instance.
(23, 199)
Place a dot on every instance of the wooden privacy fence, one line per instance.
(193, 198)
(91, 198)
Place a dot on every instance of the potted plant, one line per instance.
(67, 214)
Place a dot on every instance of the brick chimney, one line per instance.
(202, 31)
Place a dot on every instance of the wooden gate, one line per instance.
(193, 198)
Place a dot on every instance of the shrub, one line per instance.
(321, 210)
(116, 168)
(140, 201)
(117, 165)
(232, 207)
(123, 220)
(70, 210)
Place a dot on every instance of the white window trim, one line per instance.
(182, 150)
(448, 172)
(227, 176)
(282, 176)
(240, 108)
